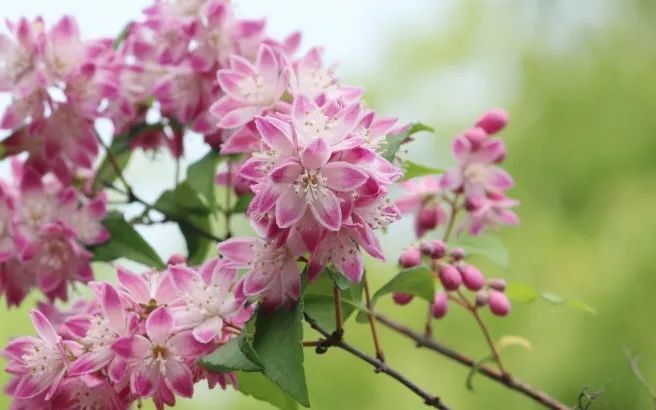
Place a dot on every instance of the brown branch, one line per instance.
(372, 321)
(339, 320)
(380, 366)
(499, 377)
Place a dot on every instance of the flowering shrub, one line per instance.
(310, 165)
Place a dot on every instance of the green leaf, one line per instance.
(278, 341)
(319, 302)
(198, 246)
(521, 292)
(229, 357)
(580, 305)
(125, 242)
(552, 298)
(259, 387)
(188, 199)
(201, 176)
(242, 204)
(414, 170)
(474, 370)
(487, 245)
(418, 281)
(393, 141)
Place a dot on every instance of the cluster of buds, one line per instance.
(476, 183)
(141, 339)
(454, 274)
(44, 229)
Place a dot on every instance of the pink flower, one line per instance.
(310, 78)
(272, 272)
(209, 301)
(424, 201)
(249, 88)
(39, 364)
(160, 360)
(103, 330)
(147, 291)
(493, 210)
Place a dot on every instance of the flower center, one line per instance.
(253, 90)
(310, 184)
(160, 352)
(42, 359)
(100, 334)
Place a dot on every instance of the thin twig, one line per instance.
(502, 378)
(372, 321)
(339, 321)
(228, 210)
(168, 217)
(380, 366)
(635, 368)
(486, 332)
(114, 162)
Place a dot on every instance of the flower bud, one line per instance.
(501, 155)
(402, 298)
(481, 298)
(440, 305)
(176, 259)
(427, 248)
(458, 254)
(499, 303)
(476, 136)
(493, 120)
(497, 284)
(427, 219)
(471, 277)
(474, 203)
(410, 257)
(450, 277)
(439, 249)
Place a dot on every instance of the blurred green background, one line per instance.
(579, 79)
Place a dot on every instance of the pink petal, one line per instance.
(286, 173)
(136, 285)
(342, 176)
(183, 276)
(275, 133)
(239, 249)
(144, 379)
(159, 325)
(409, 203)
(89, 363)
(117, 369)
(112, 307)
(44, 328)
(187, 345)
(352, 268)
(179, 378)
(316, 154)
(267, 64)
(326, 210)
(238, 117)
(130, 347)
(290, 208)
(229, 82)
(264, 199)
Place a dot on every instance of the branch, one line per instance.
(635, 368)
(380, 366)
(505, 379)
(132, 197)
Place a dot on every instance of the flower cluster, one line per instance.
(142, 339)
(454, 274)
(476, 183)
(44, 228)
(314, 164)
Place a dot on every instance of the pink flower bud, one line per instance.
(176, 259)
(497, 284)
(428, 218)
(450, 277)
(458, 254)
(501, 155)
(499, 303)
(402, 298)
(410, 257)
(440, 305)
(482, 298)
(493, 120)
(471, 277)
(474, 203)
(439, 249)
(475, 136)
(427, 248)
